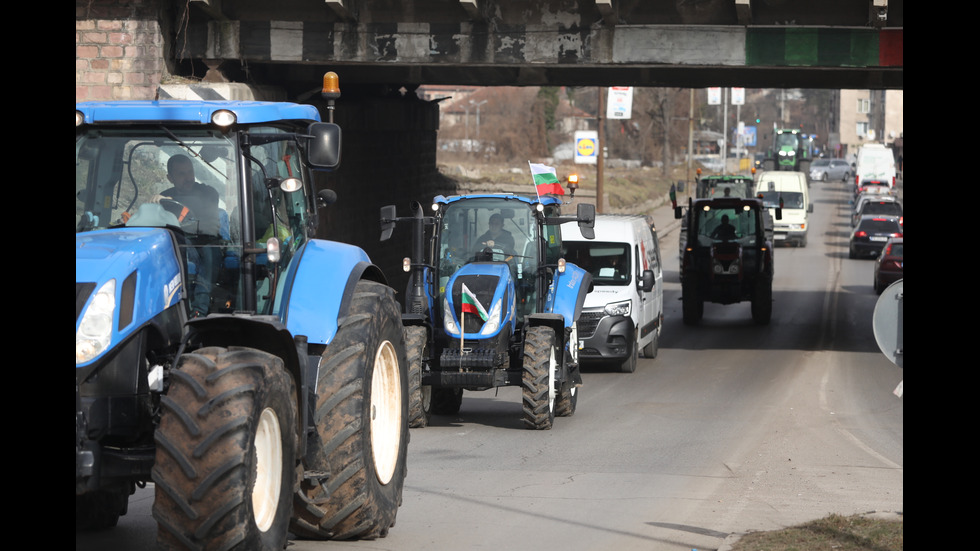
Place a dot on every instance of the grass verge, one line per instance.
(832, 533)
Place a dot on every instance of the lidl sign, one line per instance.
(586, 146)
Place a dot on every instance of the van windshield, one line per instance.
(609, 263)
(791, 199)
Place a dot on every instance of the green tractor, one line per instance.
(790, 151)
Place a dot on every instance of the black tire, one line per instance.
(538, 380)
(419, 397)
(100, 510)
(653, 348)
(360, 441)
(226, 452)
(629, 364)
(762, 302)
(692, 305)
(446, 401)
(567, 401)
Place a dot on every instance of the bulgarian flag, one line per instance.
(472, 305)
(545, 179)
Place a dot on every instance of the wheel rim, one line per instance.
(268, 481)
(386, 412)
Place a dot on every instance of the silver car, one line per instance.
(826, 170)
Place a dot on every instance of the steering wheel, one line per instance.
(183, 213)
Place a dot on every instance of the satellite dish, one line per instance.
(888, 321)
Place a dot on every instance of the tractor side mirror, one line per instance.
(586, 220)
(324, 148)
(388, 216)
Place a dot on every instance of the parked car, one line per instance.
(871, 233)
(889, 267)
(826, 170)
(878, 205)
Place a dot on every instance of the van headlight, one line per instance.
(618, 308)
(95, 330)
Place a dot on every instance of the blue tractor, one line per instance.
(254, 373)
(487, 309)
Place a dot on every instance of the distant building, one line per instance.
(868, 116)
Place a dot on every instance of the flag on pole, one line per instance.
(472, 305)
(545, 179)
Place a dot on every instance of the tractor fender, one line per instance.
(319, 288)
(566, 296)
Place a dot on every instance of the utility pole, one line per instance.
(599, 162)
(690, 135)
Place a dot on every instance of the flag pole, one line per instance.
(533, 183)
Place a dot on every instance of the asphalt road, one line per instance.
(733, 427)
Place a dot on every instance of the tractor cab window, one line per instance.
(727, 224)
(487, 230)
(182, 179)
(279, 210)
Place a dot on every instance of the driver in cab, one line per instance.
(200, 199)
(501, 238)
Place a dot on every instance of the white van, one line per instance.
(624, 312)
(875, 162)
(790, 188)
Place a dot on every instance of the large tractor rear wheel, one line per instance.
(540, 368)
(419, 396)
(226, 452)
(361, 438)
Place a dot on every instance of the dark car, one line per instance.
(880, 206)
(871, 233)
(889, 267)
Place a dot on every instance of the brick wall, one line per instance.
(119, 49)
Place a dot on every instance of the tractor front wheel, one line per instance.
(226, 452)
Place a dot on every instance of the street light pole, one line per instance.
(477, 105)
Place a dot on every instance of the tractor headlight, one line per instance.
(448, 323)
(493, 320)
(618, 308)
(95, 330)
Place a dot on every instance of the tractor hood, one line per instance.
(143, 266)
(480, 298)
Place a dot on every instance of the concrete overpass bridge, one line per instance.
(854, 44)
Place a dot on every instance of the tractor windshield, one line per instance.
(787, 141)
(489, 229)
(188, 180)
(727, 224)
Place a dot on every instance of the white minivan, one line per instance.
(624, 312)
(791, 189)
(875, 162)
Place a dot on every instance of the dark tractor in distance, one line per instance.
(727, 257)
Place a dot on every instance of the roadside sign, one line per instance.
(586, 147)
(714, 96)
(738, 96)
(620, 103)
